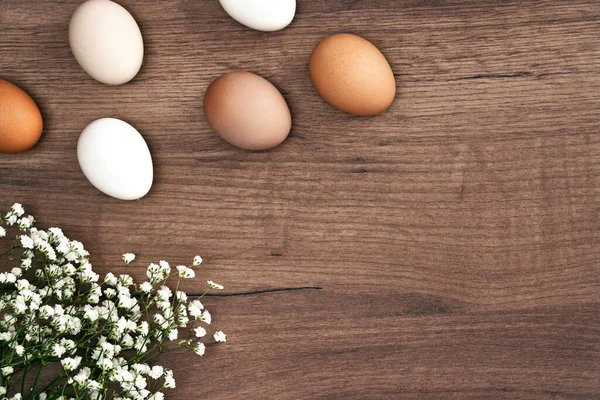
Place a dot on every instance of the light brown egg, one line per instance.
(247, 111)
(20, 119)
(351, 74)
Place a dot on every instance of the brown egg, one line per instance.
(351, 74)
(20, 119)
(247, 111)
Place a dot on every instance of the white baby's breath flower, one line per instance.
(206, 317)
(195, 308)
(57, 232)
(160, 320)
(11, 278)
(90, 313)
(93, 299)
(64, 247)
(125, 280)
(58, 350)
(95, 289)
(11, 218)
(164, 265)
(6, 336)
(71, 364)
(69, 269)
(143, 328)
(89, 276)
(185, 272)
(146, 287)
(156, 372)
(22, 284)
(197, 261)
(131, 325)
(214, 285)
(181, 296)
(17, 209)
(200, 349)
(141, 344)
(128, 258)
(27, 242)
(143, 369)
(26, 263)
(170, 382)
(46, 311)
(200, 332)
(152, 269)
(68, 344)
(47, 249)
(78, 248)
(220, 337)
(19, 305)
(110, 279)
(140, 382)
(164, 293)
(25, 222)
(57, 296)
(82, 375)
(182, 320)
(167, 312)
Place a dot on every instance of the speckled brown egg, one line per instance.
(247, 111)
(351, 74)
(20, 119)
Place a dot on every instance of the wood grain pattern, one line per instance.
(455, 237)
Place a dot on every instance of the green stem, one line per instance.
(25, 372)
(6, 252)
(48, 385)
(37, 377)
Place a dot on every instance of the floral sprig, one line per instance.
(99, 335)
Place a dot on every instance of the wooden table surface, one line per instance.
(448, 248)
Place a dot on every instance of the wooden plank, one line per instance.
(455, 237)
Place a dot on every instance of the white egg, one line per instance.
(115, 158)
(106, 41)
(262, 15)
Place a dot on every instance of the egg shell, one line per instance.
(115, 158)
(262, 15)
(247, 111)
(106, 41)
(351, 74)
(21, 122)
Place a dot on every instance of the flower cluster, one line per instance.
(99, 335)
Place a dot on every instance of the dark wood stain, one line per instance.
(455, 238)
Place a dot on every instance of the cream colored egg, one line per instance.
(106, 41)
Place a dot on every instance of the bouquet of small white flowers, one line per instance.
(97, 336)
